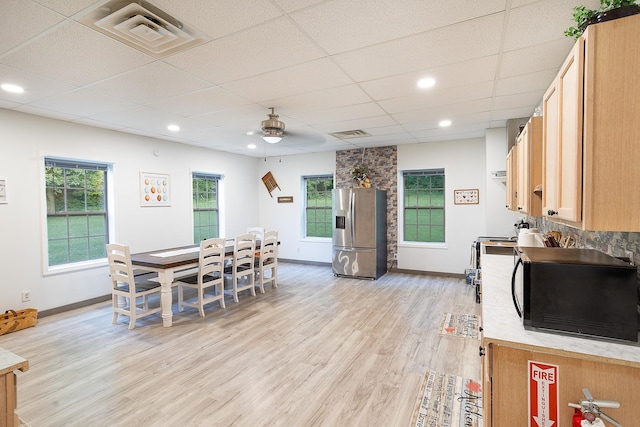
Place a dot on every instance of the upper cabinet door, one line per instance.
(562, 152)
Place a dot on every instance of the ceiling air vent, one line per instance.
(143, 26)
(349, 134)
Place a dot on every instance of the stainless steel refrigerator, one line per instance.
(359, 232)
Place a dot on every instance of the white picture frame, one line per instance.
(155, 189)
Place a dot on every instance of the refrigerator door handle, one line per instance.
(352, 212)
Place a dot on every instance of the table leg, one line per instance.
(166, 300)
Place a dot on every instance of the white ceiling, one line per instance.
(325, 65)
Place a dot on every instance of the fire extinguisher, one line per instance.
(577, 418)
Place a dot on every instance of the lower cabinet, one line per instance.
(506, 383)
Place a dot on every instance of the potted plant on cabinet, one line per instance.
(608, 10)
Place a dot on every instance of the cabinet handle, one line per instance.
(481, 351)
(519, 208)
(551, 212)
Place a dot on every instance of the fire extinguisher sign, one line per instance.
(543, 395)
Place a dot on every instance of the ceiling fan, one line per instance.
(272, 129)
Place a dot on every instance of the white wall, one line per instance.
(287, 218)
(464, 164)
(25, 140)
(500, 220)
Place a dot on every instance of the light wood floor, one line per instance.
(316, 351)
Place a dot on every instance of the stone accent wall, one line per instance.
(383, 166)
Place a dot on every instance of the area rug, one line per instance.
(460, 325)
(448, 401)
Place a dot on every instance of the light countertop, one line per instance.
(500, 321)
(10, 362)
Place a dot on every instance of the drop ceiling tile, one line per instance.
(446, 76)
(275, 45)
(149, 82)
(66, 7)
(439, 97)
(524, 83)
(35, 87)
(291, 5)
(221, 17)
(528, 99)
(82, 103)
(456, 43)
(418, 119)
(76, 55)
(355, 112)
(341, 26)
(12, 21)
(323, 99)
(347, 124)
(539, 22)
(44, 112)
(201, 102)
(545, 56)
(303, 78)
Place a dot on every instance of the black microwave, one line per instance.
(576, 291)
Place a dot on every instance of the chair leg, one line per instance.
(220, 288)
(114, 299)
(235, 288)
(200, 300)
(180, 298)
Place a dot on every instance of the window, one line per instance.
(317, 200)
(77, 222)
(206, 215)
(424, 205)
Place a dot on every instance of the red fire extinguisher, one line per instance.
(577, 418)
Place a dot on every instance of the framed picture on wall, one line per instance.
(466, 197)
(155, 189)
(3, 191)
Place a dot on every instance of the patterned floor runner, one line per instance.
(460, 325)
(448, 401)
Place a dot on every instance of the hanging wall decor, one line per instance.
(155, 189)
(466, 197)
(270, 183)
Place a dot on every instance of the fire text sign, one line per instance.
(544, 410)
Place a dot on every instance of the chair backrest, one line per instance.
(269, 247)
(258, 231)
(120, 267)
(244, 251)
(211, 260)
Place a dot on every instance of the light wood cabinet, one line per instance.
(591, 150)
(529, 169)
(512, 181)
(505, 383)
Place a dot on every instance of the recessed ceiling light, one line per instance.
(444, 123)
(251, 146)
(173, 128)
(249, 133)
(426, 82)
(8, 87)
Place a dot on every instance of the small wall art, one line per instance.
(3, 191)
(466, 197)
(155, 189)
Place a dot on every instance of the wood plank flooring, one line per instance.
(316, 351)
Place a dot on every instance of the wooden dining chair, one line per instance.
(208, 282)
(127, 288)
(267, 261)
(241, 270)
(258, 231)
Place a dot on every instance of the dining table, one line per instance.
(169, 262)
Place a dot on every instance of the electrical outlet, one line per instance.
(395, 255)
(26, 296)
(629, 254)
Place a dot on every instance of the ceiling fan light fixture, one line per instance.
(273, 128)
(272, 136)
